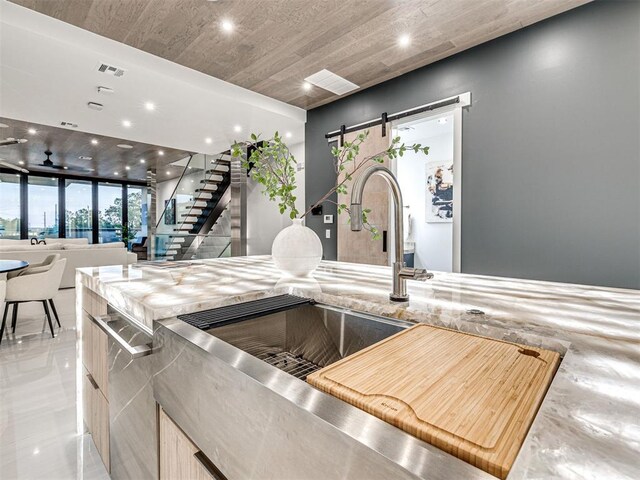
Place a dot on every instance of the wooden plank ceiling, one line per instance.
(67, 146)
(275, 44)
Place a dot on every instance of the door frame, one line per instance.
(456, 110)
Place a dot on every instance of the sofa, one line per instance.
(78, 252)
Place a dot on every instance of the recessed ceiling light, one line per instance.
(84, 157)
(227, 26)
(168, 172)
(160, 152)
(306, 86)
(66, 168)
(287, 135)
(237, 129)
(150, 106)
(20, 162)
(404, 40)
(115, 173)
(127, 167)
(32, 131)
(142, 160)
(207, 140)
(125, 145)
(94, 141)
(126, 123)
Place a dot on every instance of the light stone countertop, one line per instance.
(589, 423)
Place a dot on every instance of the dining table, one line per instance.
(12, 265)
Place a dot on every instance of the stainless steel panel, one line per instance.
(238, 208)
(151, 213)
(255, 421)
(132, 408)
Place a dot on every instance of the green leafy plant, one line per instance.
(272, 164)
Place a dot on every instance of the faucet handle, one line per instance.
(415, 273)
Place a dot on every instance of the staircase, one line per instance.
(203, 227)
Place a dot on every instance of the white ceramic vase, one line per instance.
(297, 250)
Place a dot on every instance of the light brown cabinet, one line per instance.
(99, 358)
(180, 458)
(95, 385)
(96, 416)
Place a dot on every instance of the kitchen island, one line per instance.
(587, 426)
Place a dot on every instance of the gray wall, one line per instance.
(551, 150)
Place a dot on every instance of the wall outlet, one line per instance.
(327, 233)
(328, 219)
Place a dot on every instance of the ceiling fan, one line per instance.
(48, 163)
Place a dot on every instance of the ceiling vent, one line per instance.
(84, 157)
(95, 106)
(69, 124)
(111, 70)
(106, 90)
(332, 82)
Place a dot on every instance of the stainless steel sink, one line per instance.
(304, 339)
(250, 413)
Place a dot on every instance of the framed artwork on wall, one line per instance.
(439, 192)
(170, 212)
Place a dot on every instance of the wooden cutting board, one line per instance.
(473, 397)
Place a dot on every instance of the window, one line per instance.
(9, 205)
(43, 207)
(137, 212)
(109, 212)
(78, 215)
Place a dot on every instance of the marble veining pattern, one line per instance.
(589, 425)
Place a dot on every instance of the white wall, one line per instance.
(434, 241)
(49, 73)
(264, 221)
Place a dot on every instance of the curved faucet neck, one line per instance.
(356, 201)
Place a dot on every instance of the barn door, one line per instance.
(359, 247)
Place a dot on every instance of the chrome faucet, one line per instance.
(400, 273)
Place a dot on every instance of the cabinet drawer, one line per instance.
(87, 345)
(95, 350)
(96, 415)
(87, 394)
(180, 459)
(99, 358)
(92, 303)
(100, 425)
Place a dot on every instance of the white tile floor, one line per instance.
(38, 435)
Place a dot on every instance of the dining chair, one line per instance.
(37, 283)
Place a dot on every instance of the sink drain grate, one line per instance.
(290, 363)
